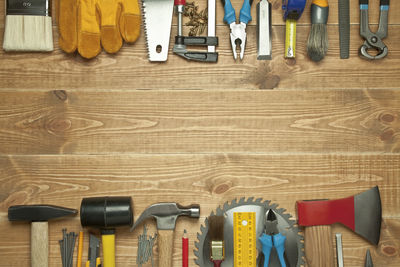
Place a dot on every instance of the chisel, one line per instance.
(264, 43)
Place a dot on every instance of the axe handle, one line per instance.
(319, 246)
(165, 247)
(39, 244)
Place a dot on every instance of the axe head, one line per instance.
(361, 213)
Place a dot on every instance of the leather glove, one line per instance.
(88, 25)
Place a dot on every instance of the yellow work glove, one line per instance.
(88, 25)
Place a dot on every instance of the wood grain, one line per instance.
(165, 240)
(130, 69)
(341, 121)
(208, 179)
(39, 244)
(318, 246)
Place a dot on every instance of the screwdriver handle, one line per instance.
(279, 243)
(266, 242)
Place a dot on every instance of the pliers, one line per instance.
(374, 40)
(272, 238)
(238, 31)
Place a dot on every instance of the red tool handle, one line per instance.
(179, 2)
(326, 212)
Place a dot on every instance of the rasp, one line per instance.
(157, 25)
(344, 28)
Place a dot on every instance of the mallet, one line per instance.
(107, 213)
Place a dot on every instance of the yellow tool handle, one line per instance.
(80, 248)
(321, 3)
(87, 264)
(98, 262)
(108, 240)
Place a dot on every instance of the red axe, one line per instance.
(361, 213)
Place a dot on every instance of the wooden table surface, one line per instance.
(201, 133)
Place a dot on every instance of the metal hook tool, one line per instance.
(374, 40)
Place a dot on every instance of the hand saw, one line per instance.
(157, 25)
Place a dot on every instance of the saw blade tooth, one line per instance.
(266, 203)
(274, 206)
(212, 213)
(281, 211)
(219, 211)
(250, 199)
(258, 200)
(241, 201)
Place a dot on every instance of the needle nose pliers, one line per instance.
(374, 40)
(238, 31)
(272, 238)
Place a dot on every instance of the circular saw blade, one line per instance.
(294, 246)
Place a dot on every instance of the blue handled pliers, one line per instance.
(272, 238)
(238, 31)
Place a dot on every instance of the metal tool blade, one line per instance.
(94, 250)
(368, 215)
(264, 43)
(339, 250)
(344, 28)
(157, 25)
(211, 24)
(368, 259)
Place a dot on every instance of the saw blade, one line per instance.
(294, 248)
(157, 26)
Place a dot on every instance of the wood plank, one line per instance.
(277, 13)
(130, 68)
(334, 121)
(206, 179)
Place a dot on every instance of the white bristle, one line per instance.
(28, 33)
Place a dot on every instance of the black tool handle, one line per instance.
(197, 40)
(364, 2)
(385, 2)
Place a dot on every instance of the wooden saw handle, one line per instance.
(39, 244)
(165, 247)
(319, 246)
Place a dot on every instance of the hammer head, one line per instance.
(37, 213)
(167, 213)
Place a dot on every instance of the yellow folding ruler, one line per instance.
(244, 239)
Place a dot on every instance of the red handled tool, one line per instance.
(361, 213)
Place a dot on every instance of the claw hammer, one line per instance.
(166, 215)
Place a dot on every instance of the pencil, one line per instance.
(185, 249)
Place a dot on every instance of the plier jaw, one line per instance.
(374, 40)
(238, 38)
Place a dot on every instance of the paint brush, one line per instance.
(317, 44)
(28, 26)
(216, 236)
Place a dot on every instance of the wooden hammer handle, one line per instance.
(319, 246)
(39, 244)
(165, 247)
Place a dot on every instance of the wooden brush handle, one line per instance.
(39, 244)
(319, 246)
(165, 247)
